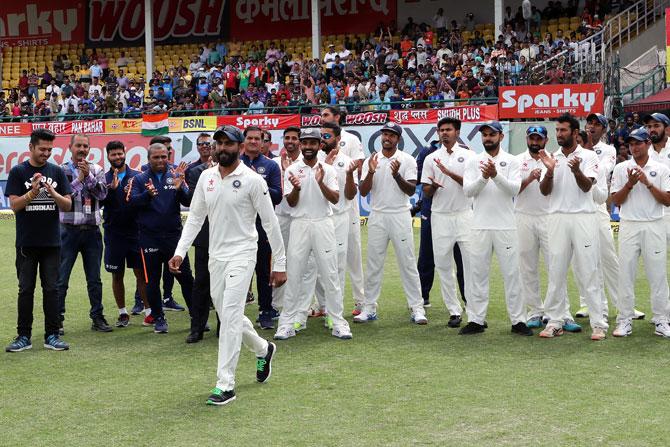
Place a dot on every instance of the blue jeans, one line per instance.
(86, 240)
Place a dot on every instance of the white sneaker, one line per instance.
(583, 312)
(638, 315)
(342, 332)
(663, 329)
(419, 316)
(365, 316)
(284, 332)
(623, 329)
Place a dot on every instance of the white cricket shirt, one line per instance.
(283, 208)
(385, 194)
(340, 164)
(566, 196)
(351, 146)
(312, 204)
(450, 198)
(640, 205)
(231, 204)
(493, 198)
(606, 156)
(530, 200)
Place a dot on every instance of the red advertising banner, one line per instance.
(72, 127)
(15, 129)
(262, 121)
(251, 19)
(33, 23)
(353, 119)
(122, 21)
(551, 100)
(466, 114)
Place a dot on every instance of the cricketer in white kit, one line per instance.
(451, 212)
(641, 188)
(390, 178)
(492, 179)
(567, 178)
(311, 188)
(231, 195)
(657, 124)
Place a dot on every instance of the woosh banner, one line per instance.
(550, 101)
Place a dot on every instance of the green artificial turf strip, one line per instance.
(394, 384)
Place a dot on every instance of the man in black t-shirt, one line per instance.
(37, 190)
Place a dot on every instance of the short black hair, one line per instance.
(292, 129)
(114, 144)
(162, 139)
(336, 111)
(584, 135)
(252, 129)
(337, 130)
(450, 120)
(41, 134)
(570, 119)
(203, 135)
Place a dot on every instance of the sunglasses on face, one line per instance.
(326, 136)
(204, 143)
(267, 141)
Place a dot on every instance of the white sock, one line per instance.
(147, 311)
(123, 311)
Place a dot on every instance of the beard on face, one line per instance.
(490, 146)
(534, 148)
(226, 159)
(118, 163)
(566, 141)
(655, 138)
(329, 146)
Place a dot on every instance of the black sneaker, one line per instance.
(100, 324)
(426, 303)
(250, 297)
(455, 321)
(123, 321)
(265, 320)
(220, 397)
(471, 328)
(264, 364)
(194, 337)
(522, 329)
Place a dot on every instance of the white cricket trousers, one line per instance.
(314, 283)
(505, 243)
(666, 223)
(573, 233)
(229, 283)
(533, 238)
(608, 268)
(646, 239)
(396, 228)
(317, 237)
(279, 292)
(354, 255)
(448, 229)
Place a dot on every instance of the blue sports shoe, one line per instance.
(534, 323)
(171, 305)
(570, 326)
(161, 326)
(274, 314)
(20, 343)
(54, 343)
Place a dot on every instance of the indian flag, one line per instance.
(155, 124)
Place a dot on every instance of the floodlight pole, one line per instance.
(498, 9)
(316, 30)
(149, 37)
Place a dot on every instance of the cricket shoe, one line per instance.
(317, 313)
(220, 397)
(472, 328)
(638, 315)
(663, 329)
(358, 307)
(598, 334)
(365, 317)
(534, 323)
(419, 317)
(570, 325)
(264, 364)
(521, 328)
(284, 332)
(454, 321)
(583, 312)
(623, 329)
(342, 332)
(551, 331)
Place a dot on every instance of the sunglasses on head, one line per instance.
(537, 129)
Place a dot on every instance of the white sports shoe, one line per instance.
(419, 316)
(364, 317)
(342, 332)
(284, 332)
(663, 329)
(623, 329)
(638, 315)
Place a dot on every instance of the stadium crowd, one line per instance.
(294, 219)
(417, 66)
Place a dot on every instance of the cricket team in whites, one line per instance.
(304, 205)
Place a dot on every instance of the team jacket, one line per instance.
(119, 219)
(158, 217)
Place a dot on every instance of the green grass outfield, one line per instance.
(394, 384)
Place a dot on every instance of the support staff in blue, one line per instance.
(157, 194)
(122, 246)
(271, 173)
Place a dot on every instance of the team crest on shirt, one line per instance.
(652, 173)
(503, 163)
(237, 184)
(210, 185)
(340, 164)
(341, 143)
(261, 170)
(599, 151)
(461, 159)
(169, 181)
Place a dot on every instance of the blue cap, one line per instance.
(232, 132)
(537, 130)
(393, 127)
(602, 119)
(495, 125)
(640, 134)
(661, 118)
